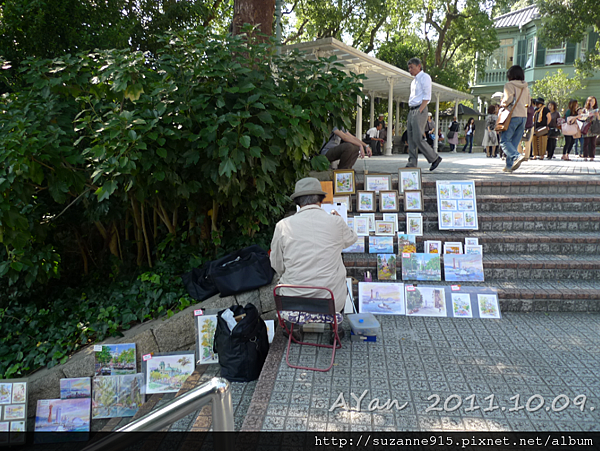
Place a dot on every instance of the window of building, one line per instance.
(556, 55)
(583, 47)
(530, 47)
(503, 57)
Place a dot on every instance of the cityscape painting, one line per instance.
(425, 301)
(381, 298)
(78, 387)
(113, 360)
(117, 396)
(419, 266)
(63, 415)
(166, 373)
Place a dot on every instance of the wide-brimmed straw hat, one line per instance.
(308, 186)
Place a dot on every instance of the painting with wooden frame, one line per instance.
(378, 182)
(344, 181)
(388, 201)
(409, 179)
(413, 200)
(365, 201)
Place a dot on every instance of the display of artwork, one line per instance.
(356, 248)
(206, 325)
(471, 241)
(461, 305)
(407, 244)
(343, 181)
(417, 266)
(413, 200)
(63, 415)
(361, 225)
(386, 267)
(409, 179)
(378, 182)
(457, 207)
(371, 217)
(166, 373)
(384, 228)
(425, 301)
(414, 224)
(343, 200)
(113, 360)
(381, 298)
(77, 387)
(463, 268)
(117, 396)
(381, 245)
(350, 222)
(474, 249)
(388, 201)
(433, 247)
(488, 306)
(453, 247)
(393, 217)
(365, 201)
(13, 408)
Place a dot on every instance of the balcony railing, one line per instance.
(492, 77)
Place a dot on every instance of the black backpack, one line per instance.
(242, 352)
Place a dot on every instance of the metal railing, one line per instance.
(217, 391)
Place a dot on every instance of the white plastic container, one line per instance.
(364, 324)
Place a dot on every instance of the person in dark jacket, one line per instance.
(469, 132)
(541, 119)
(554, 132)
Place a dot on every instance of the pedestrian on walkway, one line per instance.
(590, 110)
(453, 135)
(570, 140)
(420, 96)
(542, 119)
(553, 132)
(490, 138)
(469, 133)
(516, 97)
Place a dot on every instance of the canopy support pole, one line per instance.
(372, 119)
(437, 122)
(388, 143)
(456, 109)
(397, 117)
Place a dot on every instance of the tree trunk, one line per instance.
(254, 12)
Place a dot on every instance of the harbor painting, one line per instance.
(113, 360)
(78, 387)
(463, 268)
(381, 245)
(419, 266)
(63, 415)
(381, 298)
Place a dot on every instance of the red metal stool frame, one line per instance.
(308, 305)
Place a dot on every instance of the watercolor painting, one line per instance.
(63, 415)
(421, 267)
(350, 222)
(393, 217)
(448, 205)
(377, 183)
(361, 226)
(356, 248)
(461, 305)
(16, 426)
(465, 205)
(410, 179)
(114, 360)
(463, 268)
(365, 201)
(446, 220)
(413, 201)
(381, 298)
(455, 191)
(433, 247)
(206, 326)
(444, 191)
(425, 301)
(166, 373)
(470, 219)
(371, 218)
(471, 241)
(384, 228)
(5, 393)
(4, 427)
(458, 218)
(386, 267)
(388, 200)
(19, 392)
(381, 245)
(117, 396)
(78, 387)
(414, 225)
(488, 306)
(344, 182)
(14, 412)
(468, 191)
(474, 249)
(407, 243)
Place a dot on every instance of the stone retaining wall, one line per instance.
(161, 335)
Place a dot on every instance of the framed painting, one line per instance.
(361, 225)
(350, 222)
(356, 248)
(433, 247)
(371, 217)
(384, 228)
(474, 249)
(456, 204)
(343, 181)
(386, 267)
(378, 182)
(414, 224)
(393, 217)
(381, 298)
(365, 201)
(461, 305)
(388, 201)
(488, 306)
(166, 372)
(409, 179)
(453, 247)
(413, 200)
(471, 241)
(343, 200)
(206, 325)
(381, 245)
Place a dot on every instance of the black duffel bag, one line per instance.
(244, 270)
(199, 284)
(242, 351)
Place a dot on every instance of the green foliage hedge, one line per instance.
(110, 159)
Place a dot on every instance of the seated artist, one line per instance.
(345, 147)
(307, 250)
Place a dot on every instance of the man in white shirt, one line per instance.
(420, 95)
(373, 135)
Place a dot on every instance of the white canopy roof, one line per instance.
(377, 72)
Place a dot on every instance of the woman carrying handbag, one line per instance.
(570, 129)
(490, 138)
(589, 113)
(553, 132)
(540, 130)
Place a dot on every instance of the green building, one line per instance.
(519, 44)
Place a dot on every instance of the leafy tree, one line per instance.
(558, 87)
(258, 13)
(103, 357)
(582, 15)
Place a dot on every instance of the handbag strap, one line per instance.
(519, 98)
